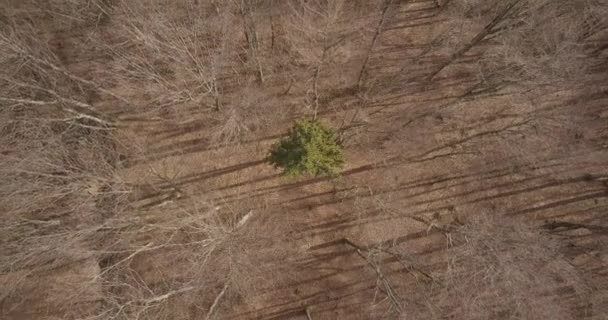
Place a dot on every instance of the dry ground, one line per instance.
(134, 135)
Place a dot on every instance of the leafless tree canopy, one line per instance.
(134, 140)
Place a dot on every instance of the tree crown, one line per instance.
(309, 148)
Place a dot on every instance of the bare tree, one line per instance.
(311, 30)
(387, 5)
(222, 254)
(248, 9)
(34, 78)
(501, 268)
(544, 42)
(181, 50)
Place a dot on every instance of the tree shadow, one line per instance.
(191, 146)
(193, 178)
(170, 188)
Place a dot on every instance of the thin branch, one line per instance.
(217, 300)
(167, 295)
(387, 5)
(308, 315)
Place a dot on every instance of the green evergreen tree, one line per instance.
(310, 148)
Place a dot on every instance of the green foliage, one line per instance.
(310, 148)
